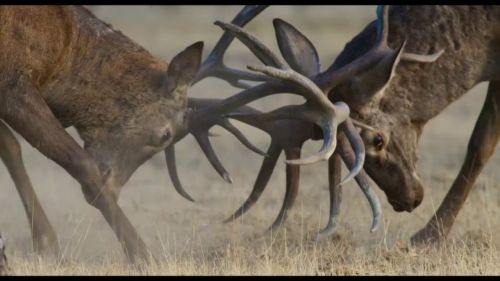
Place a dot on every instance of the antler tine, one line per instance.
(261, 51)
(359, 149)
(241, 19)
(196, 104)
(172, 172)
(226, 124)
(335, 189)
(383, 34)
(382, 26)
(422, 58)
(266, 170)
(292, 187)
(204, 143)
(214, 65)
(362, 180)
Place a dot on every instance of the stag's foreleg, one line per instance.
(23, 109)
(43, 235)
(481, 146)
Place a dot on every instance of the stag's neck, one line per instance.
(470, 37)
(104, 75)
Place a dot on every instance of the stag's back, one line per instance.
(76, 61)
(33, 40)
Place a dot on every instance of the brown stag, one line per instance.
(399, 96)
(62, 67)
(368, 75)
(419, 92)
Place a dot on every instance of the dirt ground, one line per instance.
(174, 227)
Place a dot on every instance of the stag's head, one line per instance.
(391, 156)
(391, 139)
(151, 125)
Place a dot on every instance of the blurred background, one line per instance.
(170, 224)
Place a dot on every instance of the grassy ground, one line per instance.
(189, 239)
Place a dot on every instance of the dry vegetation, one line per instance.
(189, 239)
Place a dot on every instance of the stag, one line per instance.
(418, 93)
(403, 91)
(289, 136)
(62, 67)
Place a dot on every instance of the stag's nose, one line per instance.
(417, 201)
(401, 208)
(407, 205)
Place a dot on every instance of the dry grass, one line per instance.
(472, 255)
(188, 239)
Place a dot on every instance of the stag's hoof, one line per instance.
(3, 265)
(46, 245)
(427, 235)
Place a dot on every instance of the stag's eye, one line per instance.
(378, 141)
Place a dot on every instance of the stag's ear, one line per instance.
(369, 85)
(296, 49)
(182, 71)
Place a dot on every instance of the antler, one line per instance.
(290, 143)
(289, 136)
(279, 70)
(336, 192)
(333, 77)
(214, 66)
(304, 59)
(317, 108)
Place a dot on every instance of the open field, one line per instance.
(189, 238)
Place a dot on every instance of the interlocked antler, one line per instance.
(301, 54)
(289, 135)
(214, 66)
(317, 108)
(278, 69)
(291, 143)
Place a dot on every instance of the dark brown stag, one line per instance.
(61, 67)
(397, 97)
(370, 72)
(418, 92)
